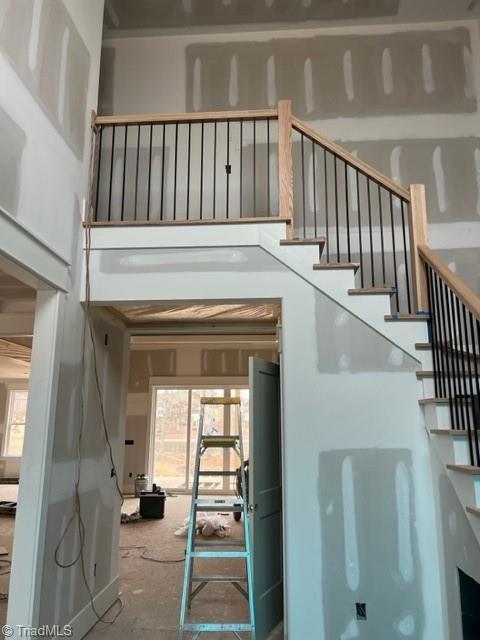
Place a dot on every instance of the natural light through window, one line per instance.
(16, 415)
(177, 416)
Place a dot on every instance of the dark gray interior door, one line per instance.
(266, 494)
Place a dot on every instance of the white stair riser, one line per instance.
(467, 488)
(461, 453)
(437, 416)
(426, 358)
(334, 281)
(303, 253)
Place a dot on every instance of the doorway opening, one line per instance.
(17, 310)
(179, 354)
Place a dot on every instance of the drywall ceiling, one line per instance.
(17, 308)
(143, 17)
(158, 314)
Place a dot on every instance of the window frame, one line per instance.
(12, 388)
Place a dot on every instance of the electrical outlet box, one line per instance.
(361, 610)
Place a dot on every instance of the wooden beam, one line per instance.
(469, 298)
(285, 162)
(418, 236)
(352, 160)
(248, 114)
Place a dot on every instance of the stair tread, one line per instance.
(336, 265)
(462, 433)
(372, 291)
(433, 401)
(428, 373)
(203, 626)
(442, 400)
(407, 317)
(295, 241)
(464, 468)
(474, 511)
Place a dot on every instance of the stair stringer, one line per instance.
(369, 309)
(453, 449)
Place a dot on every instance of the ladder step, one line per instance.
(234, 400)
(221, 542)
(231, 506)
(219, 579)
(219, 554)
(219, 441)
(217, 473)
(218, 627)
(219, 502)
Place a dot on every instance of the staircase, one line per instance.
(354, 234)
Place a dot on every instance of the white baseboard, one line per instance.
(86, 618)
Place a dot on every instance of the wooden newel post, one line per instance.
(418, 236)
(285, 163)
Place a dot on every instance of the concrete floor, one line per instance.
(150, 591)
(7, 525)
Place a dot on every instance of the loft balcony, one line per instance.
(260, 166)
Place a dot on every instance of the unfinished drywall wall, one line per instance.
(350, 413)
(49, 69)
(404, 97)
(121, 18)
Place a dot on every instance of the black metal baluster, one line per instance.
(303, 187)
(136, 172)
(453, 373)
(407, 276)
(189, 148)
(461, 357)
(475, 362)
(241, 168)
(327, 242)
(268, 167)
(163, 172)
(175, 173)
(455, 347)
(347, 214)
(201, 168)
(149, 172)
(394, 253)
(433, 315)
(214, 166)
(447, 381)
(372, 265)
(380, 215)
(470, 414)
(124, 170)
(437, 331)
(254, 168)
(314, 180)
(100, 136)
(336, 206)
(359, 214)
(111, 175)
(227, 168)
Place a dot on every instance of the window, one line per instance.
(15, 427)
(177, 415)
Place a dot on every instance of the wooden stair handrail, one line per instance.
(352, 160)
(218, 116)
(469, 298)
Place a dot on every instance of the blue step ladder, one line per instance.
(233, 504)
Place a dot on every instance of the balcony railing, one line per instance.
(455, 336)
(261, 165)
